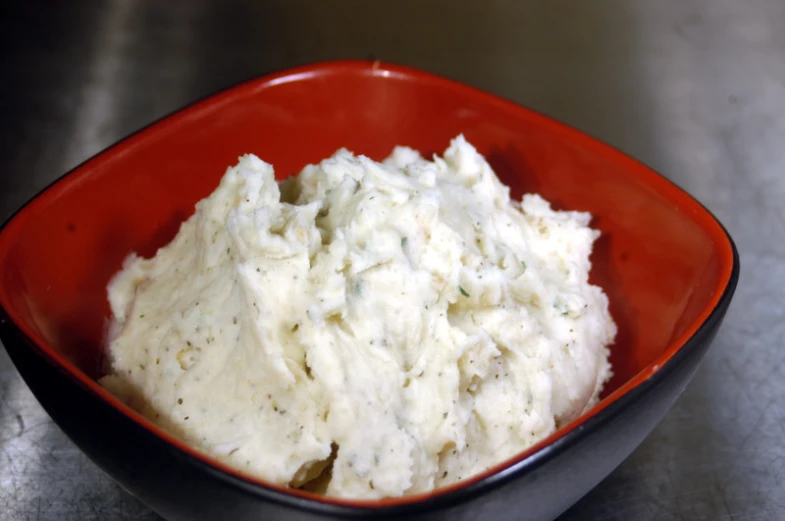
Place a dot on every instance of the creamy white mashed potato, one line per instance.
(393, 326)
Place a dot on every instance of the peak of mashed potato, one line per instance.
(364, 329)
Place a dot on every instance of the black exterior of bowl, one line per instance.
(180, 487)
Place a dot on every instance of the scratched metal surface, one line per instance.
(695, 88)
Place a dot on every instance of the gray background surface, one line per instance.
(694, 88)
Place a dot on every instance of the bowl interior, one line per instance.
(662, 259)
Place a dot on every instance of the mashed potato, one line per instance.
(386, 327)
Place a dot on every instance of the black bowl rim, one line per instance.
(460, 494)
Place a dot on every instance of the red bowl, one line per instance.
(667, 265)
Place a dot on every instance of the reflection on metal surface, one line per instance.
(694, 88)
(98, 100)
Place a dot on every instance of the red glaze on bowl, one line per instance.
(667, 265)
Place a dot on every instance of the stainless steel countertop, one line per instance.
(694, 88)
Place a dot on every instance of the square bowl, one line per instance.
(668, 267)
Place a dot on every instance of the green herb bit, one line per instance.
(562, 307)
(404, 240)
(523, 265)
(463, 291)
